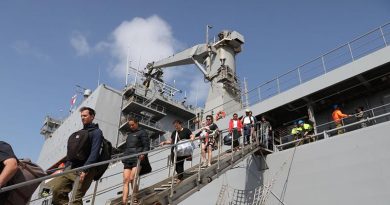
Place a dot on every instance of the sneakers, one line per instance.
(204, 165)
(209, 165)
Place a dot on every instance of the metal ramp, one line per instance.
(195, 178)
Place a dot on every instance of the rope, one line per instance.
(289, 171)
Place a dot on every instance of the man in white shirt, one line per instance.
(247, 123)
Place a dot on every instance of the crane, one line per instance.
(217, 63)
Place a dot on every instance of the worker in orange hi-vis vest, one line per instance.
(337, 116)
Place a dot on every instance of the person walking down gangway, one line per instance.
(137, 141)
(8, 168)
(209, 134)
(87, 154)
(247, 123)
(182, 133)
(235, 131)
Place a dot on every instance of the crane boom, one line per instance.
(217, 63)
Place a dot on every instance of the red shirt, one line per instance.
(231, 125)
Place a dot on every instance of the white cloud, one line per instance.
(198, 90)
(146, 40)
(25, 48)
(79, 43)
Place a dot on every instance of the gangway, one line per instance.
(165, 192)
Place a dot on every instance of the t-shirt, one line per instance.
(248, 120)
(185, 133)
(213, 127)
(6, 152)
(235, 122)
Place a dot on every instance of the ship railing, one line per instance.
(368, 121)
(142, 119)
(145, 102)
(349, 52)
(342, 55)
(366, 113)
(117, 159)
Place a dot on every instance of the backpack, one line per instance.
(27, 171)
(79, 146)
(105, 154)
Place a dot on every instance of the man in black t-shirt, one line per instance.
(8, 167)
(183, 133)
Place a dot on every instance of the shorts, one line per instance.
(129, 163)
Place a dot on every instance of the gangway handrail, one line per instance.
(34, 181)
(8, 188)
(195, 180)
(38, 180)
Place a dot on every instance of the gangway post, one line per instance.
(174, 166)
(94, 192)
(219, 149)
(135, 181)
(74, 190)
(200, 162)
(169, 164)
(243, 144)
(232, 140)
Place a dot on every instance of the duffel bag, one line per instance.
(185, 148)
(27, 171)
(227, 140)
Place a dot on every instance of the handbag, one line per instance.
(145, 166)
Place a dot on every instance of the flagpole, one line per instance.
(72, 102)
(98, 76)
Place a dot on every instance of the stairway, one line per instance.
(195, 179)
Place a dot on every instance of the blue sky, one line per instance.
(48, 47)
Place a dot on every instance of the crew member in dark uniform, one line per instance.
(137, 141)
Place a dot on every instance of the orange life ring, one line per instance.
(220, 115)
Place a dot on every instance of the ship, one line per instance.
(339, 165)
